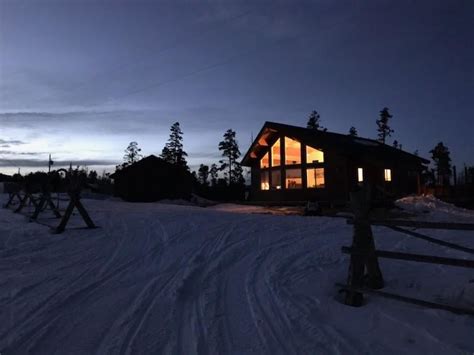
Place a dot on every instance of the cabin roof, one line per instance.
(344, 143)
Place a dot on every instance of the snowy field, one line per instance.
(169, 279)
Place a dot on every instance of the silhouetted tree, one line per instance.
(203, 174)
(92, 177)
(442, 160)
(214, 173)
(132, 155)
(395, 143)
(416, 153)
(383, 128)
(173, 151)
(230, 150)
(314, 121)
(353, 131)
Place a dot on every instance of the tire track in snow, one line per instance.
(138, 313)
(260, 315)
(318, 337)
(131, 321)
(191, 303)
(152, 254)
(69, 298)
(218, 275)
(264, 308)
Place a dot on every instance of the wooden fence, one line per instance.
(365, 276)
(21, 196)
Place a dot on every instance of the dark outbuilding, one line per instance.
(152, 179)
(292, 163)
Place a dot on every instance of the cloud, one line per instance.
(37, 163)
(11, 152)
(147, 121)
(7, 143)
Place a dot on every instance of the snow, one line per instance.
(176, 279)
(236, 208)
(428, 207)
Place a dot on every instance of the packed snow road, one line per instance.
(168, 279)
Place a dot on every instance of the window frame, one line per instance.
(261, 183)
(300, 177)
(316, 187)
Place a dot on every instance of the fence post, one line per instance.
(362, 240)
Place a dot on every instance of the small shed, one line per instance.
(152, 179)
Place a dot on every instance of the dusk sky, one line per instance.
(81, 79)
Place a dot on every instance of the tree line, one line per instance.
(219, 178)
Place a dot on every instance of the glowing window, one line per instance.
(276, 180)
(265, 161)
(264, 183)
(314, 155)
(388, 174)
(292, 151)
(276, 159)
(360, 174)
(315, 178)
(293, 179)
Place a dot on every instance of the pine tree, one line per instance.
(353, 131)
(395, 144)
(314, 121)
(383, 128)
(442, 160)
(132, 155)
(173, 151)
(230, 150)
(203, 174)
(214, 173)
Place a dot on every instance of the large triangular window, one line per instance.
(276, 156)
(292, 151)
(314, 155)
(265, 161)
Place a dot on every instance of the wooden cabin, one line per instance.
(291, 163)
(152, 179)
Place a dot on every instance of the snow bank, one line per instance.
(429, 207)
(169, 279)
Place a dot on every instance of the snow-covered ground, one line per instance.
(430, 208)
(169, 279)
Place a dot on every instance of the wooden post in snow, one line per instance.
(362, 240)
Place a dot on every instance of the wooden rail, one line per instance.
(418, 224)
(411, 300)
(411, 257)
(433, 240)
